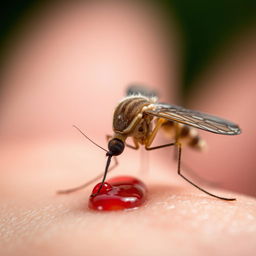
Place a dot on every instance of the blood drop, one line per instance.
(118, 193)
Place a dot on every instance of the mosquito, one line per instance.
(140, 116)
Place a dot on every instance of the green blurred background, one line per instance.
(207, 26)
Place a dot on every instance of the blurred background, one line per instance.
(207, 27)
(204, 52)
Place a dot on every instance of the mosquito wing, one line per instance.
(195, 119)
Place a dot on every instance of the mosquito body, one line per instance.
(140, 117)
(133, 118)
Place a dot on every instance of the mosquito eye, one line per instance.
(141, 129)
(116, 147)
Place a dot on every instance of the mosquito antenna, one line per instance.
(89, 138)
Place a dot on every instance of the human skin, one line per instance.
(41, 153)
(175, 220)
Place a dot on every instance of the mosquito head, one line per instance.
(115, 147)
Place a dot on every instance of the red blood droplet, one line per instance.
(105, 188)
(118, 194)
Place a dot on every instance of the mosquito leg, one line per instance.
(161, 146)
(131, 146)
(71, 190)
(135, 146)
(192, 173)
(179, 172)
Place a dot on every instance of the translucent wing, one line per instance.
(194, 118)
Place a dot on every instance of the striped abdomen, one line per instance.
(127, 110)
(184, 134)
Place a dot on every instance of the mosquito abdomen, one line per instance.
(183, 134)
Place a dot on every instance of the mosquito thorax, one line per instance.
(127, 112)
(115, 147)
